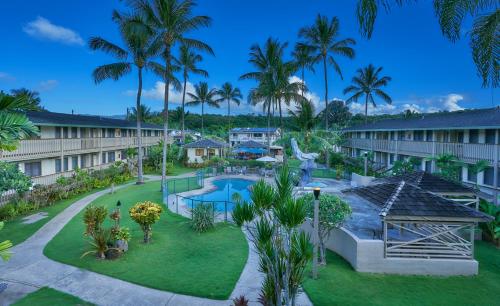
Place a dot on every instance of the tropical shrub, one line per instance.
(242, 212)
(449, 166)
(5, 247)
(122, 234)
(240, 301)
(11, 178)
(8, 211)
(146, 214)
(404, 166)
(332, 213)
(492, 228)
(93, 217)
(100, 243)
(202, 217)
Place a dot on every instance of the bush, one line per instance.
(93, 217)
(11, 178)
(146, 214)
(202, 218)
(8, 211)
(491, 229)
(122, 234)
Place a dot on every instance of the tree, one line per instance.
(451, 14)
(171, 20)
(11, 178)
(449, 166)
(323, 39)
(230, 94)
(303, 58)
(404, 166)
(338, 113)
(178, 115)
(187, 62)
(332, 213)
(14, 125)
(368, 82)
(145, 113)
(32, 96)
(139, 52)
(201, 96)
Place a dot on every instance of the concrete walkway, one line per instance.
(28, 270)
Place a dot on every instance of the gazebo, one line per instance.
(451, 190)
(250, 150)
(419, 223)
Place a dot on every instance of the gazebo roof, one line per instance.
(429, 182)
(404, 201)
(205, 143)
(250, 144)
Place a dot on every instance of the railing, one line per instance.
(219, 208)
(43, 148)
(468, 152)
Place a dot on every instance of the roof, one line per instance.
(405, 201)
(254, 130)
(429, 182)
(477, 118)
(60, 119)
(205, 143)
(250, 144)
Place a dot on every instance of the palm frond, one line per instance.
(111, 71)
(98, 43)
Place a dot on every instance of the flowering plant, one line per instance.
(146, 214)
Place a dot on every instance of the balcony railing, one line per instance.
(44, 148)
(468, 152)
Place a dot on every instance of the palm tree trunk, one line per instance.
(269, 128)
(282, 130)
(366, 108)
(183, 100)
(165, 117)
(326, 92)
(202, 125)
(229, 121)
(303, 82)
(140, 179)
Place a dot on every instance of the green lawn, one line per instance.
(178, 260)
(50, 297)
(339, 284)
(178, 169)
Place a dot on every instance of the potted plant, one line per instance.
(122, 237)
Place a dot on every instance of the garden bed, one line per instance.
(339, 284)
(177, 260)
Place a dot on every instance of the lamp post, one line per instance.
(316, 192)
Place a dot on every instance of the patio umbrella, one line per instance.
(267, 159)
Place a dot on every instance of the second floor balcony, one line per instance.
(467, 152)
(53, 147)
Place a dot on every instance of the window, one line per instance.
(65, 132)
(74, 162)
(428, 166)
(58, 132)
(488, 176)
(111, 133)
(111, 157)
(391, 159)
(418, 135)
(428, 135)
(124, 133)
(65, 164)
(103, 157)
(473, 136)
(103, 133)
(58, 165)
(33, 169)
(257, 135)
(74, 132)
(149, 133)
(489, 136)
(199, 152)
(83, 164)
(368, 135)
(471, 176)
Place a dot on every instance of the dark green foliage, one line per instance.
(202, 217)
(242, 212)
(492, 228)
(93, 217)
(404, 166)
(11, 178)
(260, 196)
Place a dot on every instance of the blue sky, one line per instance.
(44, 47)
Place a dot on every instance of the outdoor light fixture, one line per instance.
(316, 192)
(118, 204)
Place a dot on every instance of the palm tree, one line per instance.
(322, 39)
(368, 82)
(32, 96)
(140, 49)
(187, 62)
(451, 14)
(201, 96)
(302, 56)
(230, 94)
(14, 125)
(171, 20)
(145, 114)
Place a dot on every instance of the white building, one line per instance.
(261, 135)
(471, 136)
(67, 142)
(199, 151)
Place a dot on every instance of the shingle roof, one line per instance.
(60, 119)
(250, 144)
(254, 130)
(478, 118)
(205, 143)
(403, 200)
(429, 182)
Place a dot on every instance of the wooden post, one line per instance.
(385, 238)
(495, 169)
(316, 239)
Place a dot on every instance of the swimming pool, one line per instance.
(222, 195)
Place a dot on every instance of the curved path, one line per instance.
(29, 269)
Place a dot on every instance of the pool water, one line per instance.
(224, 193)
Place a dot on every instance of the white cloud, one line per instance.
(42, 28)
(450, 102)
(48, 85)
(157, 92)
(381, 108)
(4, 76)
